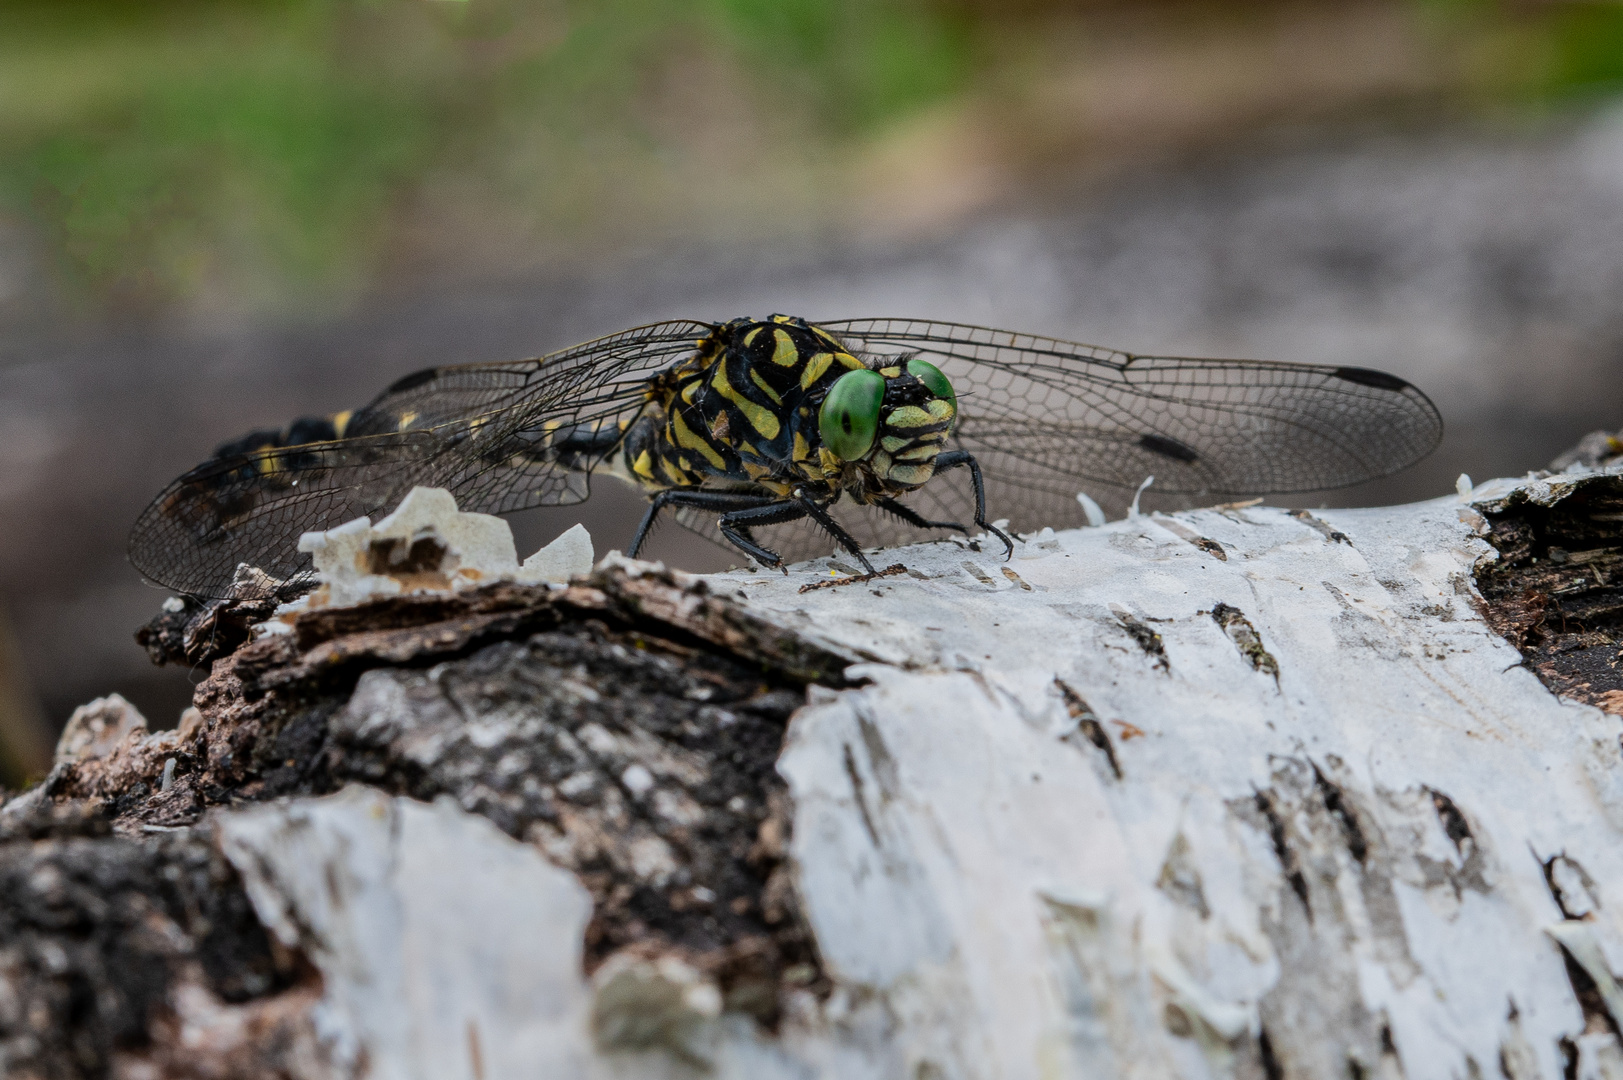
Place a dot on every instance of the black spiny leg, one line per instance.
(742, 512)
(736, 525)
(719, 501)
(821, 516)
(911, 516)
(951, 459)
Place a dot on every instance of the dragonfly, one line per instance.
(785, 438)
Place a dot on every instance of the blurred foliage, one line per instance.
(861, 63)
(1588, 48)
(1540, 50)
(153, 142)
(159, 146)
(223, 149)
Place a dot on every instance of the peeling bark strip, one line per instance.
(858, 579)
(191, 632)
(1204, 543)
(1087, 722)
(1245, 638)
(1556, 589)
(1335, 536)
(1147, 639)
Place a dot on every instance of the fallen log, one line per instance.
(1238, 791)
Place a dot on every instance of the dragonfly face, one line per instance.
(867, 432)
(889, 425)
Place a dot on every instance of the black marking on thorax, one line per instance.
(742, 410)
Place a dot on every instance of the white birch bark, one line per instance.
(1073, 825)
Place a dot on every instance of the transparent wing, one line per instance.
(501, 437)
(1200, 426)
(1044, 417)
(1048, 418)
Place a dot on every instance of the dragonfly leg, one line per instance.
(951, 459)
(910, 516)
(720, 501)
(736, 525)
(821, 516)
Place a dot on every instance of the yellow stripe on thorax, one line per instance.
(755, 377)
(819, 363)
(786, 354)
(760, 418)
(814, 369)
(688, 440)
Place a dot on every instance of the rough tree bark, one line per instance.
(1237, 792)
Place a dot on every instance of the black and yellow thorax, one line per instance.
(742, 411)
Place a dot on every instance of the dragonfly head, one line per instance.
(892, 420)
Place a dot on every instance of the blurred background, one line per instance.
(217, 215)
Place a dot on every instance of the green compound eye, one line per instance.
(933, 377)
(849, 418)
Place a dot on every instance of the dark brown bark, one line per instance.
(628, 725)
(1556, 589)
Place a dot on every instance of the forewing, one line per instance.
(1045, 417)
(487, 432)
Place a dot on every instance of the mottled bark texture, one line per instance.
(1238, 792)
(110, 943)
(1556, 590)
(628, 726)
